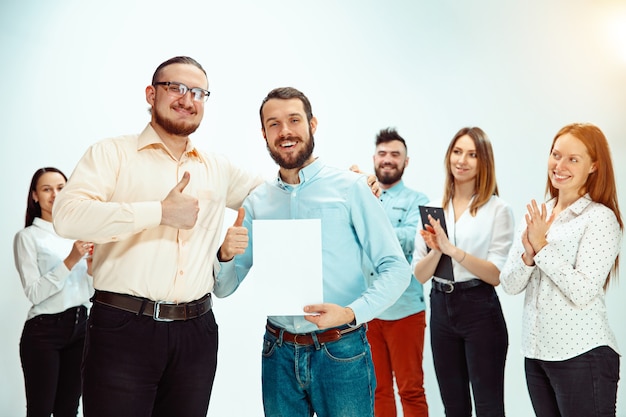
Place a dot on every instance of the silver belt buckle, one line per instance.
(157, 310)
(449, 284)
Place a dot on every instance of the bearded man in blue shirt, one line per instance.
(321, 362)
(397, 336)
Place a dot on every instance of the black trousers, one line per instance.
(585, 385)
(469, 341)
(135, 366)
(51, 350)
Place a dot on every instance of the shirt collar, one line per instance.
(43, 224)
(577, 206)
(150, 139)
(305, 174)
(395, 190)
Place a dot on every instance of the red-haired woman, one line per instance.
(565, 256)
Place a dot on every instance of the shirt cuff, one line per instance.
(147, 214)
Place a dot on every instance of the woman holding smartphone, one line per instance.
(564, 258)
(469, 337)
(54, 274)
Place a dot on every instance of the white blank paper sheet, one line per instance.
(287, 265)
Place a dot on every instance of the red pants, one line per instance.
(398, 349)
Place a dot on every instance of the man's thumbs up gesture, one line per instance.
(179, 210)
(236, 239)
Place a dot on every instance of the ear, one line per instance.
(263, 133)
(150, 95)
(406, 162)
(593, 168)
(313, 124)
(33, 195)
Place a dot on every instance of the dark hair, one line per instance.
(286, 93)
(388, 135)
(486, 185)
(33, 209)
(176, 60)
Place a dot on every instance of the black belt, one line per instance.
(449, 287)
(158, 310)
(306, 339)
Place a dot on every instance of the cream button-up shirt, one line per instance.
(113, 198)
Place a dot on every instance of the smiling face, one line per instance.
(569, 166)
(288, 134)
(178, 116)
(464, 160)
(48, 186)
(390, 160)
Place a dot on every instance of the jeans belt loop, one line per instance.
(316, 341)
(280, 337)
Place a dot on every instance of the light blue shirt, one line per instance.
(354, 225)
(401, 204)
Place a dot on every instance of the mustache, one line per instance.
(190, 109)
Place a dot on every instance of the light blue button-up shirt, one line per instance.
(402, 207)
(354, 225)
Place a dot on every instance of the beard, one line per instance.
(295, 161)
(389, 178)
(172, 127)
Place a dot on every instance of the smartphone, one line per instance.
(437, 214)
(444, 267)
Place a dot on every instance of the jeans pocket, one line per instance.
(268, 346)
(608, 362)
(103, 317)
(344, 350)
(209, 322)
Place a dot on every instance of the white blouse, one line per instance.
(51, 287)
(488, 235)
(564, 308)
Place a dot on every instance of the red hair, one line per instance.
(600, 184)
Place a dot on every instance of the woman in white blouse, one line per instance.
(564, 259)
(54, 274)
(468, 333)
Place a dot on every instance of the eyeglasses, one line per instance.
(179, 89)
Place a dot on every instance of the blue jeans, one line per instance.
(334, 379)
(51, 350)
(585, 385)
(469, 343)
(135, 366)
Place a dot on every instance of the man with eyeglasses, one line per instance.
(154, 206)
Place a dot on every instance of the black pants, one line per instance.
(585, 385)
(469, 342)
(135, 366)
(51, 350)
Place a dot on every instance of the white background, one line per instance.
(74, 72)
